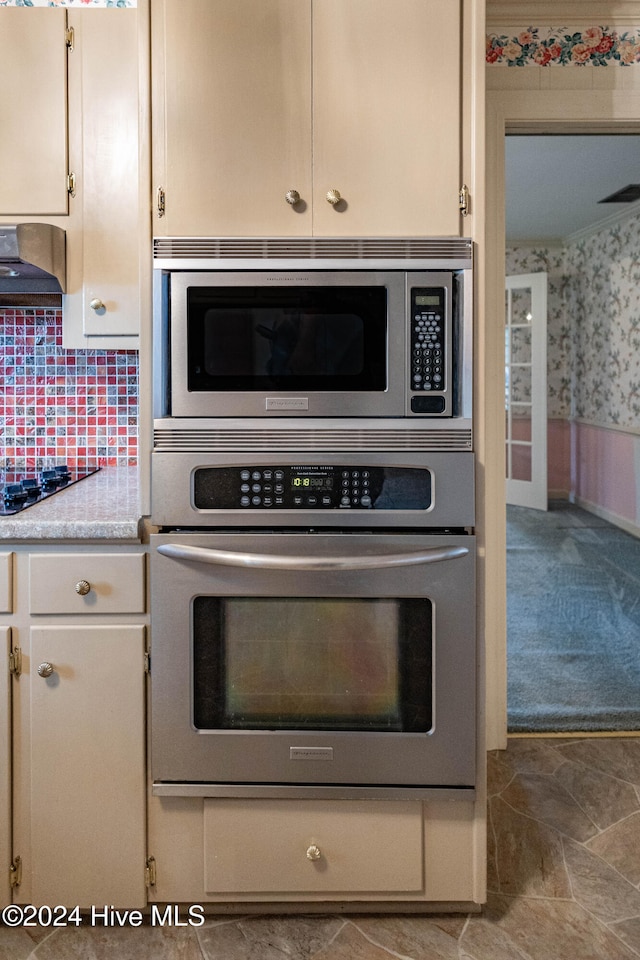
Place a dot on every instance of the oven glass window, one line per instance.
(287, 338)
(314, 664)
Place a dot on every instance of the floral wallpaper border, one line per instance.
(598, 46)
(68, 3)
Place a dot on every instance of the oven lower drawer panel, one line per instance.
(306, 847)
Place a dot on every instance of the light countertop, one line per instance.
(104, 506)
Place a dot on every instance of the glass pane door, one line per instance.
(298, 663)
(526, 389)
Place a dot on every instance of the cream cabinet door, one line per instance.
(5, 765)
(79, 796)
(232, 116)
(33, 112)
(108, 144)
(386, 117)
(256, 99)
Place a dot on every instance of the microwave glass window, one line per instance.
(312, 663)
(287, 338)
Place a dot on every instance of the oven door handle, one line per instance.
(233, 558)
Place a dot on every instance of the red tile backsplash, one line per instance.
(68, 404)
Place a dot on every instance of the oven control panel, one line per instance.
(312, 487)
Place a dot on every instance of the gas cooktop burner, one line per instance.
(20, 489)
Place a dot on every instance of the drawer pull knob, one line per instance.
(98, 305)
(83, 587)
(314, 852)
(333, 197)
(45, 669)
(292, 197)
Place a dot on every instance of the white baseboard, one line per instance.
(558, 495)
(628, 525)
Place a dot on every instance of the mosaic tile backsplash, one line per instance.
(75, 406)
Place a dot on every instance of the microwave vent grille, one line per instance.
(314, 248)
(176, 440)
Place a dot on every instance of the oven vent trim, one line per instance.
(176, 440)
(452, 251)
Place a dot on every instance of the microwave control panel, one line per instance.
(429, 350)
(312, 487)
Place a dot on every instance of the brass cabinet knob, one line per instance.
(314, 852)
(292, 197)
(45, 669)
(333, 197)
(83, 587)
(97, 304)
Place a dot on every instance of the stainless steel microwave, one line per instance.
(299, 342)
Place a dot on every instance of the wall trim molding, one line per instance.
(627, 525)
(611, 427)
(501, 13)
(611, 221)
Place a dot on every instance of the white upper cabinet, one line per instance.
(232, 118)
(109, 226)
(303, 117)
(386, 113)
(33, 112)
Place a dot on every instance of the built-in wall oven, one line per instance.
(313, 577)
(292, 660)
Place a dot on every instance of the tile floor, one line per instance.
(564, 882)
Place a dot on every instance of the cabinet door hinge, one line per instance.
(150, 872)
(147, 662)
(15, 872)
(160, 202)
(69, 37)
(71, 184)
(464, 200)
(15, 662)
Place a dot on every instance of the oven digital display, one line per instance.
(315, 483)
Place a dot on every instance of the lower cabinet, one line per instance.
(83, 830)
(78, 692)
(5, 769)
(352, 852)
(313, 846)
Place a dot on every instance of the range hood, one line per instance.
(32, 258)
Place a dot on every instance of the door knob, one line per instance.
(333, 197)
(45, 669)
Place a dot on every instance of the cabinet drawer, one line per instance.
(86, 583)
(309, 846)
(6, 582)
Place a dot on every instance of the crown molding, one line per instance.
(620, 13)
(613, 220)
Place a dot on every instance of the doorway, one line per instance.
(572, 209)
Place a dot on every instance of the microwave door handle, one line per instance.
(232, 558)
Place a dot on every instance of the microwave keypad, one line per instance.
(427, 340)
(314, 487)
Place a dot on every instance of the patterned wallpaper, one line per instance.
(596, 46)
(71, 405)
(593, 322)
